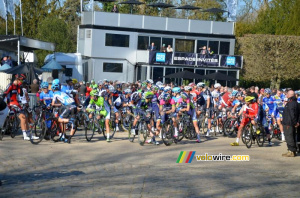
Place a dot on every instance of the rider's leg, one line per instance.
(23, 125)
(281, 129)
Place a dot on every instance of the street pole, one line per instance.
(6, 15)
(21, 17)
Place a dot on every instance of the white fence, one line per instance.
(4, 80)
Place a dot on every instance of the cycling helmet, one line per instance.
(155, 87)
(249, 98)
(166, 97)
(105, 86)
(192, 84)
(20, 76)
(234, 93)
(215, 94)
(102, 93)
(55, 86)
(77, 86)
(100, 82)
(184, 95)
(127, 91)
(144, 84)
(167, 88)
(44, 85)
(148, 95)
(149, 81)
(135, 97)
(201, 84)
(74, 81)
(105, 80)
(111, 88)
(161, 87)
(188, 88)
(176, 90)
(217, 85)
(159, 83)
(119, 86)
(267, 91)
(92, 81)
(55, 81)
(94, 93)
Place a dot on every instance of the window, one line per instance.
(222, 82)
(113, 67)
(182, 45)
(167, 41)
(200, 44)
(224, 47)
(214, 46)
(143, 42)
(117, 40)
(158, 73)
(169, 71)
(156, 41)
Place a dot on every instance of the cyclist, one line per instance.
(96, 105)
(67, 88)
(167, 107)
(149, 84)
(67, 108)
(269, 106)
(187, 106)
(46, 97)
(208, 107)
(250, 113)
(117, 103)
(279, 99)
(93, 84)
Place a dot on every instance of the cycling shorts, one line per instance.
(68, 111)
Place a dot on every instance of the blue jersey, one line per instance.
(47, 97)
(63, 98)
(270, 103)
(279, 103)
(66, 89)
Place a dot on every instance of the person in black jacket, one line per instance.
(290, 121)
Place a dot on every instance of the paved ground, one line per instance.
(124, 169)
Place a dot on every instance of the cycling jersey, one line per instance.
(99, 104)
(206, 95)
(63, 98)
(66, 89)
(12, 92)
(47, 97)
(270, 103)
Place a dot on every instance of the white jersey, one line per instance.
(64, 98)
(25, 98)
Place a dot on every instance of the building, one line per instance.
(115, 46)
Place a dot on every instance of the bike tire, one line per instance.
(247, 136)
(38, 132)
(89, 127)
(112, 130)
(14, 127)
(131, 137)
(142, 134)
(167, 134)
(55, 130)
(228, 127)
(260, 138)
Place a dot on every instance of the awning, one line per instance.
(10, 43)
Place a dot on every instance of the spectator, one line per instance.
(209, 51)
(83, 89)
(34, 87)
(152, 47)
(88, 89)
(115, 9)
(163, 48)
(9, 61)
(253, 93)
(4, 60)
(290, 121)
(169, 48)
(203, 50)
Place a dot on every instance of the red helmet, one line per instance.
(192, 84)
(20, 76)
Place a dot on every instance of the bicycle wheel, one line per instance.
(14, 127)
(260, 136)
(142, 134)
(228, 127)
(204, 126)
(89, 127)
(247, 136)
(180, 132)
(55, 130)
(167, 134)
(130, 136)
(38, 131)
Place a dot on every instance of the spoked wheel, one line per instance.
(89, 127)
(228, 127)
(167, 134)
(142, 134)
(180, 132)
(260, 136)
(126, 122)
(14, 127)
(204, 126)
(55, 132)
(247, 136)
(37, 133)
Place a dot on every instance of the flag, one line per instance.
(232, 7)
(11, 8)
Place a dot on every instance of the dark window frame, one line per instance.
(104, 65)
(126, 42)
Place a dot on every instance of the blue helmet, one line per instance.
(44, 85)
(267, 91)
(167, 88)
(184, 95)
(55, 87)
(127, 91)
(234, 93)
(176, 90)
(166, 97)
(119, 86)
(55, 81)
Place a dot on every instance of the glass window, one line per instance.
(214, 46)
(113, 67)
(117, 40)
(143, 42)
(233, 74)
(156, 41)
(200, 44)
(158, 73)
(167, 41)
(169, 71)
(224, 47)
(182, 45)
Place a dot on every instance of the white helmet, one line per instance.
(217, 85)
(215, 94)
(167, 88)
(201, 84)
(111, 88)
(188, 88)
(158, 83)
